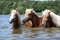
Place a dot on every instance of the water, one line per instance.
(6, 33)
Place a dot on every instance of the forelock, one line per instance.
(13, 11)
(28, 10)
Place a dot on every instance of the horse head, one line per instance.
(13, 16)
(32, 17)
(26, 19)
(14, 19)
(47, 19)
(29, 14)
(45, 15)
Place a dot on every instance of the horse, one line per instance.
(50, 18)
(28, 23)
(15, 19)
(31, 16)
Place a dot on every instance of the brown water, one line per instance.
(6, 33)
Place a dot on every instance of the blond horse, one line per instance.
(28, 23)
(31, 16)
(15, 19)
(54, 18)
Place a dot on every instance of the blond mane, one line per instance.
(15, 16)
(55, 18)
(28, 11)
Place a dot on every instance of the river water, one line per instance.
(6, 32)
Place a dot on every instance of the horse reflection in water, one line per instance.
(15, 21)
(30, 15)
(50, 17)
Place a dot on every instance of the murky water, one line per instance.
(6, 33)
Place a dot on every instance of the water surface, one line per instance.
(6, 33)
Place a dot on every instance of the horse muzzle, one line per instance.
(11, 21)
(25, 20)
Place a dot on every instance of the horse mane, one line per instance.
(33, 17)
(33, 12)
(53, 15)
(20, 22)
(18, 15)
(55, 19)
(50, 22)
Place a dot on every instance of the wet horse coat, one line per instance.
(16, 23)
(50, 18)
(49, 22)
(36, 21)
(28, 23)
(15, 19)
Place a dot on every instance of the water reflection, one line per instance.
(17, 31)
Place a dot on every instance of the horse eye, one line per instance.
(28, 14)
(47, 17)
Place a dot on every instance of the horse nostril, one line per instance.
(10, 22)
(23, 21)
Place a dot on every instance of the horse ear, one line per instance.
(49, 13)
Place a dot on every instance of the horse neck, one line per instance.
(51, 24)
(17, 23)
(34, 20)
(34, 15)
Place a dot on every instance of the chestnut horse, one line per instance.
(28, 23)
(49, 22)
(33, 18)
(15, 19)
(50, 17)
